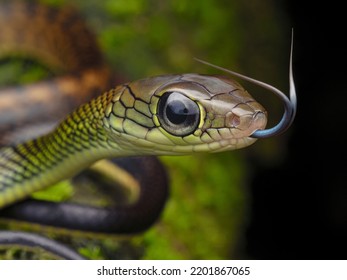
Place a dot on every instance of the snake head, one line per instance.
(183, 114)
(207, 113)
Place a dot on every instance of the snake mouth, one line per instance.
(239, 136)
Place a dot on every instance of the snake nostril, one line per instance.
(232, 120)
(235, 121)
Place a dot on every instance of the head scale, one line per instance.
(182, 114)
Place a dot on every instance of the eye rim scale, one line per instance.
(179, 129)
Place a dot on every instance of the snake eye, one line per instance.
(178, 114)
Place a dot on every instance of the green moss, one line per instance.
(205, 209)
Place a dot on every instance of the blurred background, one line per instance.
(300, 206)
(282, 198)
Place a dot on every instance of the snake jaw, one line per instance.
(237, 135)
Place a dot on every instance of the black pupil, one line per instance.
(177, 112)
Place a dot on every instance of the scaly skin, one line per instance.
(125, 122)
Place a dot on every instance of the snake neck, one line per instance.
(76, 143)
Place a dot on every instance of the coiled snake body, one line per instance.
(163, 115)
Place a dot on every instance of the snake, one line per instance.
(54, 129)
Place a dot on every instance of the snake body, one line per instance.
(162, 115)
(60, 39)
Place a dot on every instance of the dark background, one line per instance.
(299, 208)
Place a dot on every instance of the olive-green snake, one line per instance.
(163, 115)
